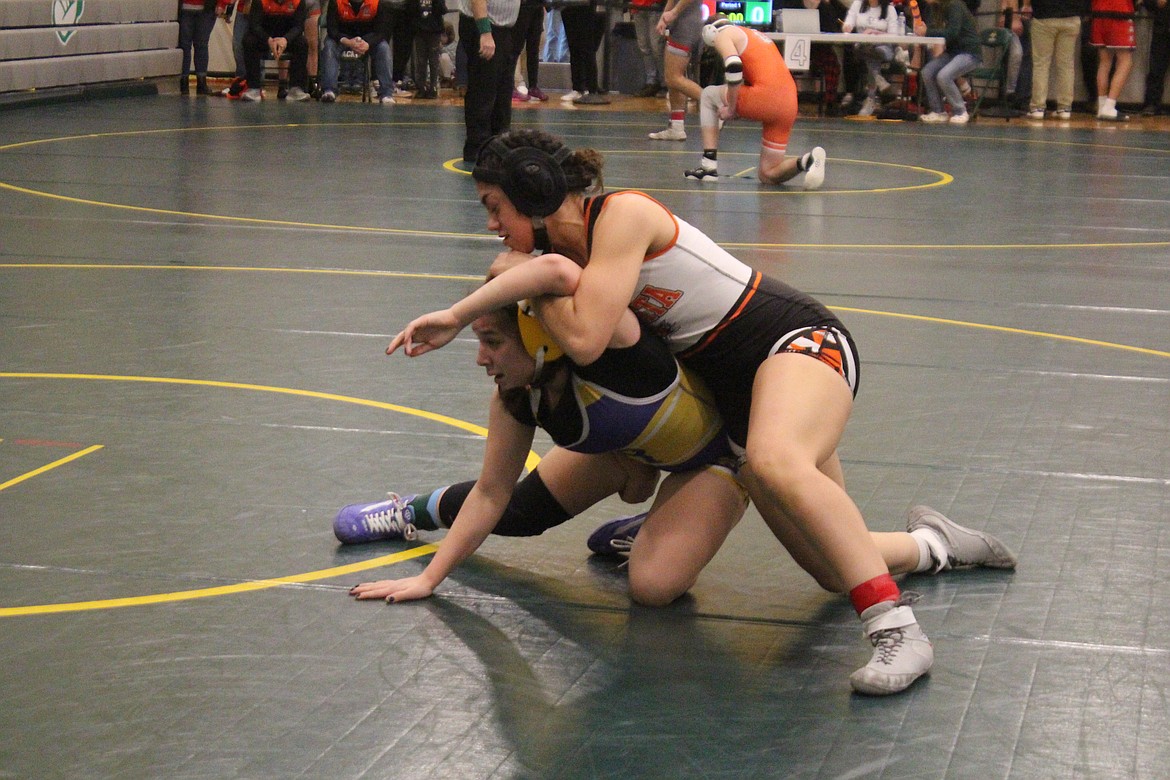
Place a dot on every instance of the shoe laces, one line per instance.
(888, 642)
(622, 544)
(392, 520)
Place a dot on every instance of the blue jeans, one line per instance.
(195, 33)
(556, 46)
(239, 30)
(331, 67)
(874, 56)
(651, 45)
(938, 77)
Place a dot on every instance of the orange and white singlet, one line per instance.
(724, 318)
(768, 93)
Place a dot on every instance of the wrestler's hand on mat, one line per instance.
(408, 589)
(427, 333)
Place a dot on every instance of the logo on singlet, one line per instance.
(653, 302)
(821, 344)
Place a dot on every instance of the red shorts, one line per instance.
(1113, 33)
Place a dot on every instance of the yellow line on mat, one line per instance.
(49, 466)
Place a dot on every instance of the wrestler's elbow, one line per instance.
(583, 347)
(561, 274)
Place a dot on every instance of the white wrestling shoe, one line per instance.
(901, 651)
(952, 545)
(669, 134)
(814, 175)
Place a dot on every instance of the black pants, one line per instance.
(426, 60)
(584, 30)
(526, 34)
(487, 106)
(401, 41)
(256, 49)
(1159, 60)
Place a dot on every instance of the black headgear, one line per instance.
(533, 179)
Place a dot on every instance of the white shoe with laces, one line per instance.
(933, 118)
(901, 651)
(569, 97)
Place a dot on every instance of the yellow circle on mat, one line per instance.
(251, 585)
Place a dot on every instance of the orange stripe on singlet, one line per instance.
(590, 219)
(749, 293)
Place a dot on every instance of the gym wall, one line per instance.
(58, 43)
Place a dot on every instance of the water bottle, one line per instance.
(901, 24)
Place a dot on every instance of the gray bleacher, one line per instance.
(61, 43)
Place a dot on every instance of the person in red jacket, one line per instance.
(276, 28)
(359, 27)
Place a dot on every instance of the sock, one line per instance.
(532, 510)
(676, 119)
(880, 588)
(423, 518)
(1110, 106)
(1101, 103)
(932, 555)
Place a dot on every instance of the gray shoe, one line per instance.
(952, 545)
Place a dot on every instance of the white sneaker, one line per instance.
(298, 95)
(328, 96)
(814, 174)
(252, 95)
(1064, 114)
(952, 545)
(933, 118)
(868, 107)
(669, 134)
(569, 97)
(1036, 113)
(961, 119)
(386, 101)
(901, 651)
